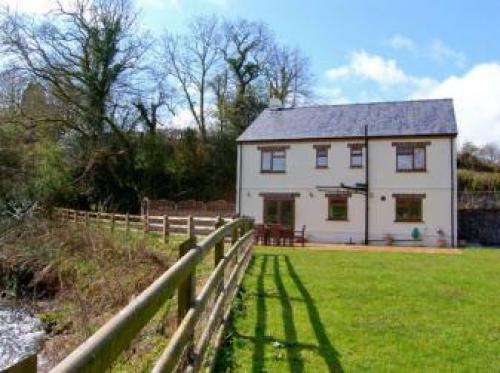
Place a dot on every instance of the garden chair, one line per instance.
(260, 234)
(275, 231)
(288, 235)
(300, 236)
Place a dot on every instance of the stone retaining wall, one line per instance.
(479, 226)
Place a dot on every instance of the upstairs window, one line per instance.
(356, 155)
(273, 160)
(409, 207)
(338, 207)
(321, 156)
(410, 157)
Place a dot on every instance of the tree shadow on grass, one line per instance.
(326, 349)
(295, 361)
(259, 339)
(260, 325)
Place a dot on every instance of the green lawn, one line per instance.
(358, 311)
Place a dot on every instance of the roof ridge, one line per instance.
(364, 103)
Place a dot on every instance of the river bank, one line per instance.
(66, 281)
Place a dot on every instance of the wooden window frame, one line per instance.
(279, 198)
(321, 148)
(356, 150)
(272, 150)
(338, 198)
(409, 149)
(405, 198)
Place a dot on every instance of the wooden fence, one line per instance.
(189, 207)
(184, 351)
(163, 225)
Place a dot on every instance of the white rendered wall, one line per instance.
(311, 206)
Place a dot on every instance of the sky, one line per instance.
(372, 50)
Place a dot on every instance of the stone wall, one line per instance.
(479, 226)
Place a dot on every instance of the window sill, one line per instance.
(272, 172)
(343, 220)
(410, 171)
(358, 167)
(408, 221)
(321, 167)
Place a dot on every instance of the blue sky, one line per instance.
(373, 50)
(376, 50)
(328, 30)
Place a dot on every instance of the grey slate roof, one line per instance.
(402, 118)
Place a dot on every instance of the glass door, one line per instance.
(279, 211)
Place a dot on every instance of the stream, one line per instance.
(21, 334)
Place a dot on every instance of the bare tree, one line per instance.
(288, 74)
(191, 60)
(220, 88)
(490, 152)
(11, 89)
(245, 51)
(83, 54)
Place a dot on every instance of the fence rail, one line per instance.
(189, 207)
(100, 351)
(163, 225)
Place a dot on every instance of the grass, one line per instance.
(76, 278)
(320, 311)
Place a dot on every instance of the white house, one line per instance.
(360, 173)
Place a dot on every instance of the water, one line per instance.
(21, 334)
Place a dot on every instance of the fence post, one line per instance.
(219, 250)
(112, 226)
(165, 228)
(146, 222)
(235, 234)
(127, 224)
(75, 216)
(186, 292)
(87, 218)
(234, 238)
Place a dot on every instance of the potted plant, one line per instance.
(441, 241)
(415, 234)
(388, 240)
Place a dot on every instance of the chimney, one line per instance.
(275, 104)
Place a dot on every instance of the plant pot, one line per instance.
(441, 242)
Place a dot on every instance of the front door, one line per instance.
(279, 211)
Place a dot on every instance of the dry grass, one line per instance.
(76, 278)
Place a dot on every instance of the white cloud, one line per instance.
(441, 52)
(476, 95)
(399, 41)
(373, 67)
(330, 95)
(384, 72)
(32, 6)
(183, 119)
(338, 72)
(436, 50)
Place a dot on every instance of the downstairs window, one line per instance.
(337, 207)
(409, 207)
